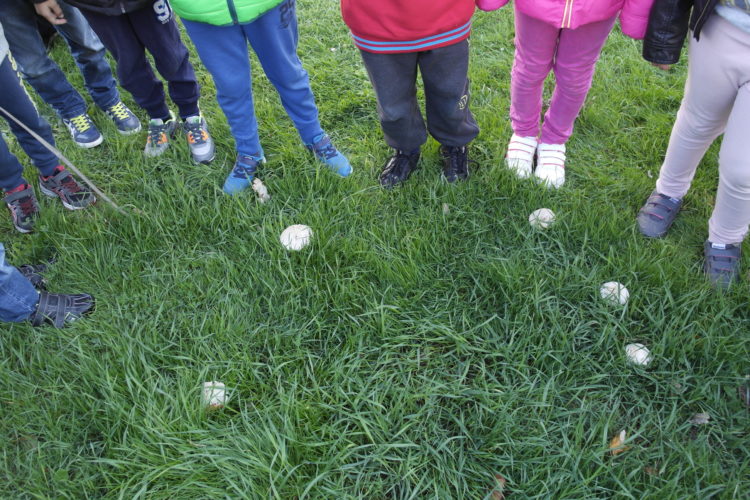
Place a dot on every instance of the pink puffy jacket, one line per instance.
(575, 13)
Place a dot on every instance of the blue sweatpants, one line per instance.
(15, 100)
(273, 37)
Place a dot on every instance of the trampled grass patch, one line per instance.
(411, 351)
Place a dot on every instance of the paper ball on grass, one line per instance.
(296, 237)
(542, 218)
(615, 292)
(638, 354)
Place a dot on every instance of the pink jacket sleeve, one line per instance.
(634, 17)
(492, 4)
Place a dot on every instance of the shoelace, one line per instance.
(26, 204)
(81, 122)
(156, 133)
(455, 155)
(69, 184)
(195, 132)
(120, 111)
(325, 148)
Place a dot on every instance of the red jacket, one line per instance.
(396, 26)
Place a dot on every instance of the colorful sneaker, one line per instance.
(83, 131)
(200, 143)
(550, 164)
(455, 162)
(242, 174)
(398, 168)
(657, 215)
(63, 185)
(520, 155)
(328, 154)
(722, 263)
(159, 133)
(61, 309)
(23, 206)
(125, 120)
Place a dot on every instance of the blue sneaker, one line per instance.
(125, 121)
(83, 131)
(242, 174)
(328, 154)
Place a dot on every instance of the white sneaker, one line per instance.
(550, 164)
(520, 155)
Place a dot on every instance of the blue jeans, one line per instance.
(27, 47)
(273, 37)
(15, 100)
(18, 299)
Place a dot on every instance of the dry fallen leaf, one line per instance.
(261, 190)
(652, 470)
(616, 445)
(700, 419)
(498, 492)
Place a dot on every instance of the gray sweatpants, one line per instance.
(446, 88)
(717, 99)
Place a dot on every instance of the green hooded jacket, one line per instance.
(223, 12)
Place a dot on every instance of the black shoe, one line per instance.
(455, 162)
(398, 168)
(33, 274)
(61, 309)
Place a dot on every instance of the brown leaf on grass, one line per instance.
(616, 445)
(498, 492)
(652, 470)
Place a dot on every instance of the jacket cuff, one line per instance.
(660, 54)
(488, 5)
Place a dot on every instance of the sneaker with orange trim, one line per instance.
(159, 134)
(201, 145)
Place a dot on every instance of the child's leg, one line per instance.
(18, 298)
(446, 85)
(161, 36)
(133, 69)
(731, 215)
(223, 51)
(16, 101)
(710, 93)
(273, 37)
(536, 42)
(575, 60)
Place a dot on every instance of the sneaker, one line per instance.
(520, 155)
(33, 274)
(61, 309)
(550, 164)
(398, 168)
(63, 185)
(328, 154)
(657, 215)
(83, 131)
(23, 206)
(125, 120)
(722, 263)
(455, 162)
(200, 143)
(159, 133)
(242, 174)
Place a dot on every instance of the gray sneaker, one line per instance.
(722, 263)
(200, 142)
(657, 215)
(159, 134)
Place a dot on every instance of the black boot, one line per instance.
(455, 162)
(398, 168)
(60, 309)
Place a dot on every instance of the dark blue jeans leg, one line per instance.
(18, 299)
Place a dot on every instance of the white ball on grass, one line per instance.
(638, 354)
(296, 237)
(542, 218)
(616, 292)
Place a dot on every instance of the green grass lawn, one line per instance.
(410, 351)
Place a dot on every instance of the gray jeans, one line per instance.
(446, 87)
(717, 99)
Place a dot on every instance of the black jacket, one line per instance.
(668, 26)
(107, 7)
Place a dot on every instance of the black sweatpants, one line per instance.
(446, 86)
(128, 36)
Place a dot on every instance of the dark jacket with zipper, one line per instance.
(107, 7)
(668, 26)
